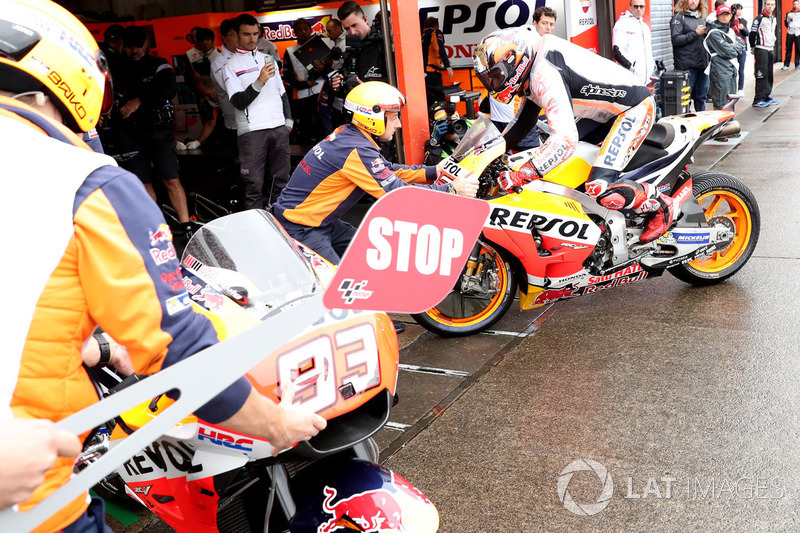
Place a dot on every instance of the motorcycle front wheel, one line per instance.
(727, 200)
(461, 314)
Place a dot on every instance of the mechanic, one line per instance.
(230, 40)
(263, 115)
(569, 82)
(434, 53)
(147, 120)
(307, 83)
(339, 170)
(102, 256)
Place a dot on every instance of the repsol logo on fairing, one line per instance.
(505, 14)
(566, 227)
(616, 142)
(71, 99)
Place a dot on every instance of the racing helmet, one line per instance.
(43, 47)
(503, 60)
(369, 101)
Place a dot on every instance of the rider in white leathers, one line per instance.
(584, 96)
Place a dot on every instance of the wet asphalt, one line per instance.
(654, 407)
(684, 400)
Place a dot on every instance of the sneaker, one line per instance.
(785, 67)
(399, 327)
(797, 67)
(740, 94)
(760, 103)
(772, 101)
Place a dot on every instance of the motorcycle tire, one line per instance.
(723, 197)
(459, 315)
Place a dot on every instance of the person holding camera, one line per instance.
(148, 117)
(370, 57)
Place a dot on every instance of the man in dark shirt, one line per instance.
(371, 57)
(146, 136)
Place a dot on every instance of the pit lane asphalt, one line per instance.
(688, 397)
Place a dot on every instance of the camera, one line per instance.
(349, 70)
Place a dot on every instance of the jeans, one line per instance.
(329, 241)
(698, 81)
(91, 521)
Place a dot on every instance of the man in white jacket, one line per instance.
(633, 48)
(263, 118)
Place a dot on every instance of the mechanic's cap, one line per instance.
(113, 32)
(723, 9)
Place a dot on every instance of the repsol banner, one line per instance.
(465, 22)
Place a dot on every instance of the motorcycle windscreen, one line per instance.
(248, 258)
(481, 136)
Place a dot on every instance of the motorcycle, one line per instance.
(552, 242)
(205, 477)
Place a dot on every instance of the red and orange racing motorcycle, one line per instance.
(551, 241)
(206, 477)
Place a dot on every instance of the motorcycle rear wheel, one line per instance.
(459, 315)
(724, 197)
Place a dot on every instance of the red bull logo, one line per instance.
(373, 511)
(318, 28)
(162, 234)
(554, 295)
(213, 301)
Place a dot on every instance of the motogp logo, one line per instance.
(352, 291)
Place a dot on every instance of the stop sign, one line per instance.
(408, 252)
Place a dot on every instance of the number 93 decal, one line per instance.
(322, 365)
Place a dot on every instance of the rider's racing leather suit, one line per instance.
(571, 83)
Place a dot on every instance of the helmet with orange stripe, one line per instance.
(369, 102)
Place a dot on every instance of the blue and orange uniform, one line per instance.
(96, 251)
(331, 179)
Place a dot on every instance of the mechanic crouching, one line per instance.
(339, 170)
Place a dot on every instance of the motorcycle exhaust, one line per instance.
(731, 128)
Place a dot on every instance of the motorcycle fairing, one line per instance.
(567, 233)
(352, 491)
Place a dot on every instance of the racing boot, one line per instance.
(661, 220)
(599, 180)
(627, 194)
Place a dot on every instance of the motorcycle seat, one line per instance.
(660, 136)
